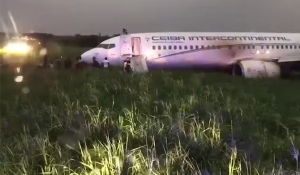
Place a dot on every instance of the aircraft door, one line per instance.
(125, 46)
(136, 46)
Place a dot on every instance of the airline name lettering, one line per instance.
(218, 38)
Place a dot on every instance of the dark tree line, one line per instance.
(75, 40)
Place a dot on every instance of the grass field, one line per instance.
(157, 123)
(57, 51)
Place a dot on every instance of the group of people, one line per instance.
(59, 63)
(106, 64)
(127, 66)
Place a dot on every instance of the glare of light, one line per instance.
(19, 79)
(257, 52)
(149, 54)
(43, 52)
(25, 90)
(267, 52)
(19, 47)
(160, 60)
(18, 69)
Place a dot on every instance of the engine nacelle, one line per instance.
(257, 69)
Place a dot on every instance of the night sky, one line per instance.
(110, 16)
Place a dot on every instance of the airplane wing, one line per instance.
(279, 60)
(289, 59)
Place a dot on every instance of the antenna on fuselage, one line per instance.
(125, 32)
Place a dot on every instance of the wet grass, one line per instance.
(98, 122)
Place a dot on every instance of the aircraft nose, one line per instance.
(87, 56)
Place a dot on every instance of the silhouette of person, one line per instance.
(127, 66)
(95, 62)
(105, 63)
(45, 61)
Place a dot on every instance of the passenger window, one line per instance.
(164, 47)
(191, 47)
(267, 47)
(291, 47)
(159, 47)
(175, 47)
(202, 47)
(282, 47)
(286, 46)
(197, 47)
(185, 47)
(253, 47)
(295, 47)
(170, 47)
(277, 47)
(262, 47)
(248, 47)
(153, 47)
(180, 47)
(273, 46)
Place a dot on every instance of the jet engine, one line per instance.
(257, 69)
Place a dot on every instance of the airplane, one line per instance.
(250, 55)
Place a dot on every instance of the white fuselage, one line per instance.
(196, 49)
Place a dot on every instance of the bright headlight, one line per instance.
(17, 48)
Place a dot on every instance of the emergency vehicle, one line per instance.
(19, 51)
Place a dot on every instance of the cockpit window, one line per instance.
(106, 46)
(111, 46)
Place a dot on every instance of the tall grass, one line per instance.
(98, 122)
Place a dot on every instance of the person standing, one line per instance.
(45, 61)
(95, 62)
(127, 66)
(105, 63)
